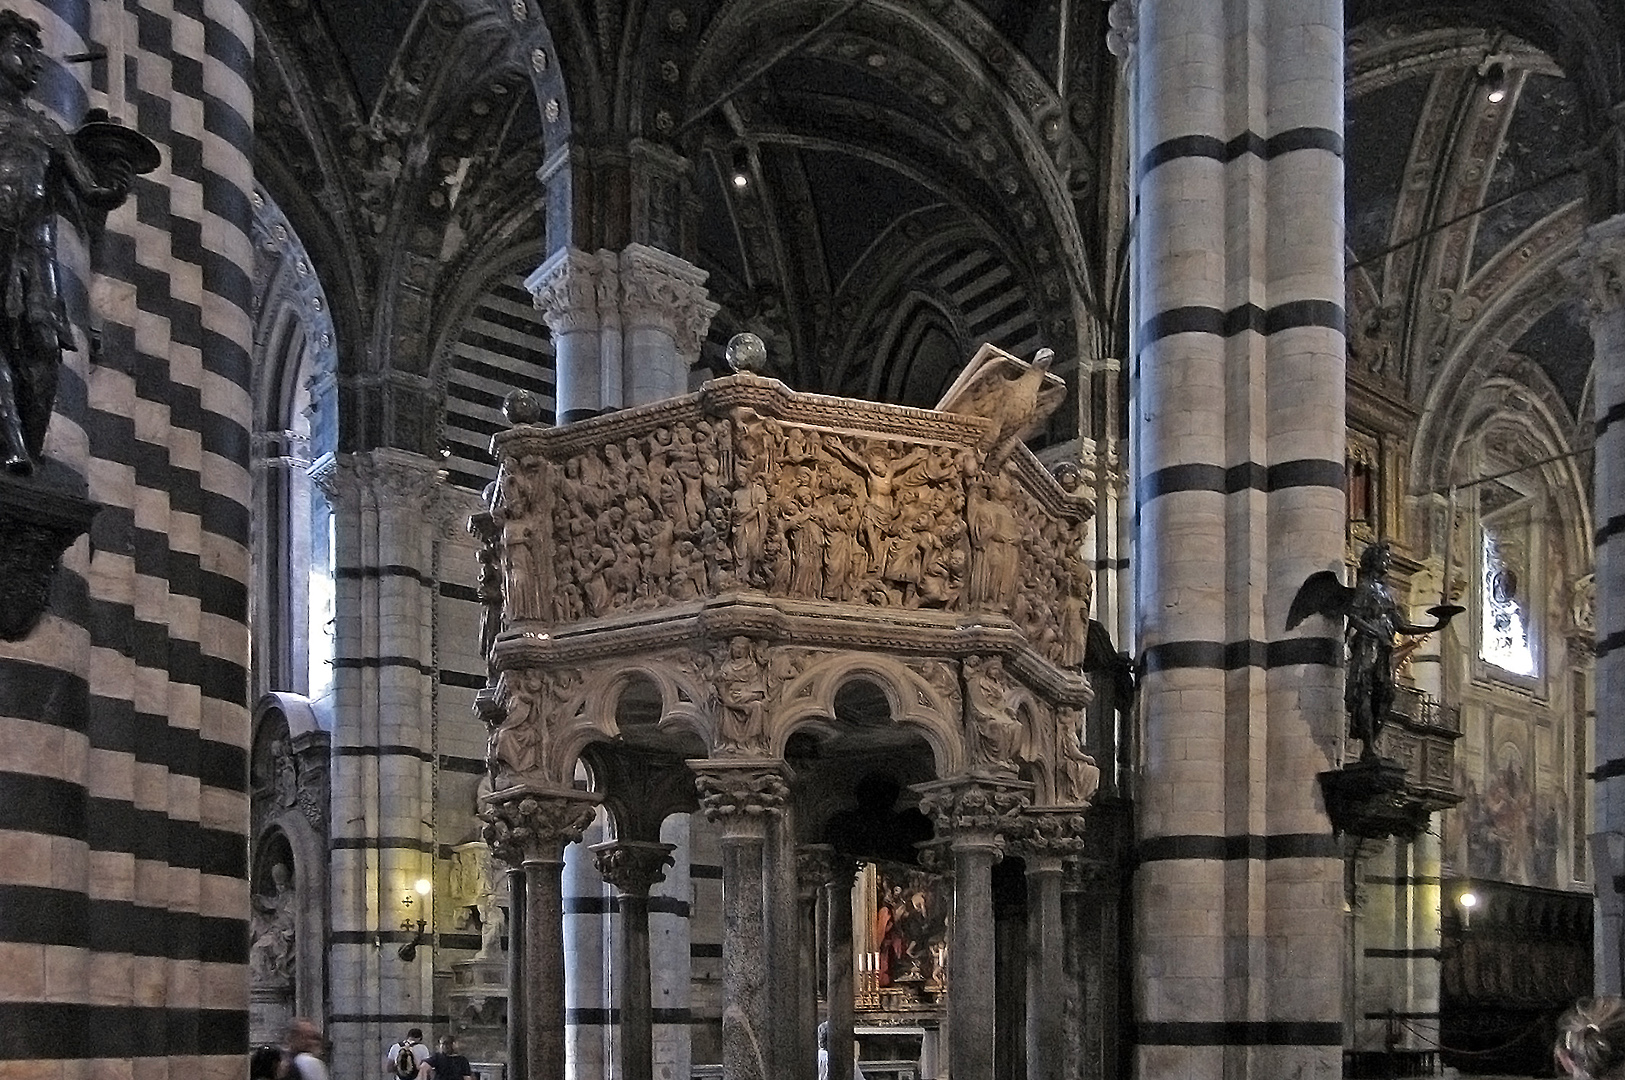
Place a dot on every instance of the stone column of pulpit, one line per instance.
(976, 816)
(565, 290)
(633, 868)
(1053, 836)
(742, 798)
(529, 828)
(823, 870)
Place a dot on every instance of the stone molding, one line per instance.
(1598, 267)
(533, 824)
(1123, 29)
(39, 524)
(632, 866)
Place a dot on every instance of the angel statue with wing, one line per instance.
(1374, 617)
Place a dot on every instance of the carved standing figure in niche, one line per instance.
(43, 172)
(271, 955)
(995, 535)
(287, 778)
(516, 744)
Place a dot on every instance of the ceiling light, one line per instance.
(741, 167)
(1492, 73)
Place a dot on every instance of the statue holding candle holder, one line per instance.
(44, 172)
(1373, 617)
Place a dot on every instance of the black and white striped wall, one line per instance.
(1237, 391)
(123, 807)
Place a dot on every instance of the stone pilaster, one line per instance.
(633, 868)
(1599, 270)
(743, 798)
(385, 524)
(978, 817)
(528, 828)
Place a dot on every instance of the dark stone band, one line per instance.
(1234, 848)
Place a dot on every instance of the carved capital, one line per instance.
(384, 478)
(1055, 833)
(565, 290)
(633, 866)
(660, 290)
(1598, 268)
(734, 793)
(976, 810)
(39, 524)
(527, 824)
(818, 865)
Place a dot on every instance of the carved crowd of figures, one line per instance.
(696, 508)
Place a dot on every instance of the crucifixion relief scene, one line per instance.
(808, 539)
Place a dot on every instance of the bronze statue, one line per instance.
(1374, 617)
(43, 172)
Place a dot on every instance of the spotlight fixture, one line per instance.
(409, 951)
(1492, 73)
(741, 167)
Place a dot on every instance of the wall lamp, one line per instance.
(741, 167)
(409, 951)
(1467, 900)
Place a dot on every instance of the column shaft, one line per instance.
(744, 958)
(838, 972)
(971, 1002)
(543, 978)
(517, 1010)
(1046, 954)
(632, 969)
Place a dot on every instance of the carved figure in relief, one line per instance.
(515, 747)
(803, 525)
(749, 523)
(882, 472)
(998, 736)
(271, 954)
(742, 693)
(521, 582)
(995, 535)
(1077, 777)
(844, 560)
(287, 780)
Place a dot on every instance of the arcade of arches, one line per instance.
(711, 538)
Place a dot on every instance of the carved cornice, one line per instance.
(633, 866)
(1598, 268)
(533, 824)
(1052, 833)
(734, 793)
(818, 865)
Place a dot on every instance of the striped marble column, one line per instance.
(566, 290)
(1237, 388)
(123, 814)
(1600, 268)
(670, 942)
(382, 766)
(589, 1016)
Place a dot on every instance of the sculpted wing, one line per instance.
(1320, 594)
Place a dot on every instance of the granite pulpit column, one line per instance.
(516, 969)
(1052, 837)
(812, 862)
(530, 828)
(1599, 268)
(633, 868)
(838, 978)
(975, 816)
(742, 798)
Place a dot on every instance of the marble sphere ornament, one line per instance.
(746, 352)
(522, 407)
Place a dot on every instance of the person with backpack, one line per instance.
(404, 1058)
(446, 1063)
